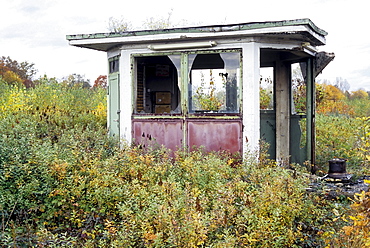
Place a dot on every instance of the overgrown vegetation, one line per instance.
(343, 128)
(65, 183)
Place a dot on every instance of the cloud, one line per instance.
(35, 30)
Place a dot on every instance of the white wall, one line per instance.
(126, 96)
(250, 94)
(251, 99)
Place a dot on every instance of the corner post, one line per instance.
(126, 96)
(310, 108)
(250, 97)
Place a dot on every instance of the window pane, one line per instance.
(157, 85)
(114, 65)
(214, 82)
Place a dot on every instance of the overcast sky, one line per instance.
(35, 30)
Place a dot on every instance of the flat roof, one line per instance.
(301, 29)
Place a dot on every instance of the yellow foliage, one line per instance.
(11, 78)
(333, 93)
(101, 110)
(15, 101)
(333, 101)
(358, 233)
(359, 94)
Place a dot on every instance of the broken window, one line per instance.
(157, 84)
(298, 88)
(267, 88)
(214, 80)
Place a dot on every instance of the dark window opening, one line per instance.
(114, 65)
(157, 85)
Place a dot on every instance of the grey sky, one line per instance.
(35, 30)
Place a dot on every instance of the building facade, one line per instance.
(202, 86)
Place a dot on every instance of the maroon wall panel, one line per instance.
(158, 131)
(215, 135)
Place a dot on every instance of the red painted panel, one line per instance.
(158, 131)
(215, 135)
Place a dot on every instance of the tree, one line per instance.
(76, 80)
(153, 23)
(334, 93)
(119, 25)
(298, 89)
(11, 78)
(332, 101)
(342, 84)
(359, 94)
(24, 70)
(101, 81)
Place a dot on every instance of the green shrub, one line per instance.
(64, 182)
(136, 199)
(36, 124)
(339, 136)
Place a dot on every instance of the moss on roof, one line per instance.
(203, 29)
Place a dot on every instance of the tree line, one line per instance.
(22, 74)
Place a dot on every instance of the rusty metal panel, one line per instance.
(215, 135)
(158, 131)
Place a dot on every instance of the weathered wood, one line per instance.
(283, 86)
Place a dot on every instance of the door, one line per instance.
(113, 104)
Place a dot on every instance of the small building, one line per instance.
(201, 86)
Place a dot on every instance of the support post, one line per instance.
(283, 86)
(251, 97)
(126, 96)
(310, 108)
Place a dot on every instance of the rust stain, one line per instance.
(212, 134)
(162, 132)
(215, 135)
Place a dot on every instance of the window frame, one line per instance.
(113, 64)
(239, 83)
(184, 81)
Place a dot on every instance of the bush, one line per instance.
(137, 199)
(356, 232)
(36, 124)
(64, 182)
(339, 136)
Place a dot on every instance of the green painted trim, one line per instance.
(184, 95)
(114, 58)
(133, 84)
(241, 84)
(184, 83)
(310, 112)
(169, 116)
(184, 92)
(163, 116)
(215, 117)
(113, 115)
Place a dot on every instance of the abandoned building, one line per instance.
(201, 86)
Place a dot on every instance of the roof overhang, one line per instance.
(301, 30)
